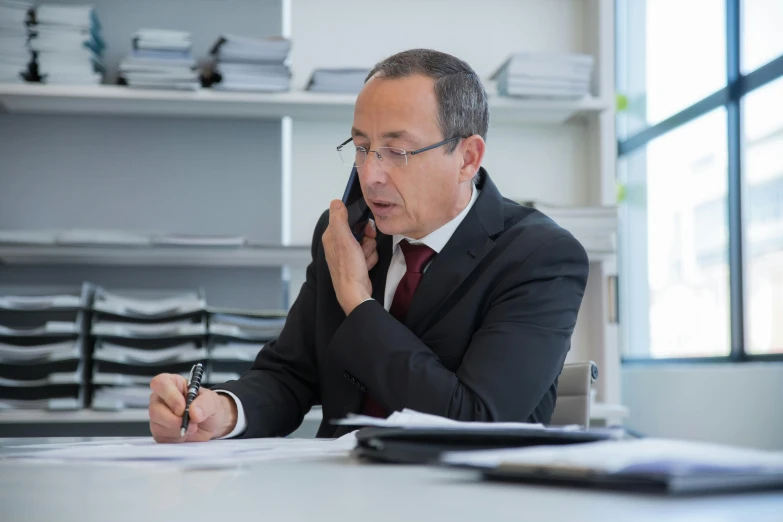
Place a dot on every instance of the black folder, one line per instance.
(425, 445)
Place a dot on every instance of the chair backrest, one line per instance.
(573, 394)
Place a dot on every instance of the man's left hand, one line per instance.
(348, 263)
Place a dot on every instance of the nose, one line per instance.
(373, 171)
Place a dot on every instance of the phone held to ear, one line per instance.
(358, 211)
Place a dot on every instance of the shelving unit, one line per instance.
(123, 101)
(271, 256)
(264, 165)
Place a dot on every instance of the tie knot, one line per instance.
(416, 256)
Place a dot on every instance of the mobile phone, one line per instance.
(358, 211)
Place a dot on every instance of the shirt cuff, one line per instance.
(241, 426)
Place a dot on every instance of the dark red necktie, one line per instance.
(416, 259)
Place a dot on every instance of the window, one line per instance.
(763, 199)
(700, 158)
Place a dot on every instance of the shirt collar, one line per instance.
(437, 239)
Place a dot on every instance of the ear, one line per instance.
(471, 151)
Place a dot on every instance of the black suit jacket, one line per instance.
(485, 339)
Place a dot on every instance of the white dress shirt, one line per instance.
(436, 240)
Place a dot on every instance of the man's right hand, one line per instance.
(212, 415)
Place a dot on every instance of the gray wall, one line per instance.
(726, 403)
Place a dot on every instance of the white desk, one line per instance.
(336, 489)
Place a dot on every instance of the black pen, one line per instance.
(194, 383)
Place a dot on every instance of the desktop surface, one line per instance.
(334, 488)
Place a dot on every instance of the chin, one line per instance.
(389, 226)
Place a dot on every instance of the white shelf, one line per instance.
(608, 412)
(119, 100)
(95, 416)
(296, 256)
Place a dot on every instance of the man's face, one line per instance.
(416, 199)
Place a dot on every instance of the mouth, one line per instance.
(381, 208)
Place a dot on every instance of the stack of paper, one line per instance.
(42, 349)
(545, 75)
(139, 335)
(198, 240)
(413, 419)
(251, 64)
(15, 55)
(348, 81)
(68, 45)
(161, 59)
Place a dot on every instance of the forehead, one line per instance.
(396, 104)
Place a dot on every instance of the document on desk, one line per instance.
(408, 418)
(213, 454)
(655, 465)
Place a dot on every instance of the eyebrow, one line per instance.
(386, 135)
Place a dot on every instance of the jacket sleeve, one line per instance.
(511, 362)
(282, 385)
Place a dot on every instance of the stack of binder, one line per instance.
(250, 64)
(545, 75)
(15, 54)
(138, 338)
(43, 341)
(68, 45)
(161, 59)
(594, 227)
(349, 81)
(236, 337)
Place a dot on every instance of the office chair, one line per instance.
(573, 394)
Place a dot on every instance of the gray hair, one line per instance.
(462, 101)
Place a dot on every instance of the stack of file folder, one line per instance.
(545, 75)
(594, 227)
(250, 64)
(138, 338)
(68, 45)
(236, 337)
(349, 81)
(161, 59)
(43, 341)
(15, 54)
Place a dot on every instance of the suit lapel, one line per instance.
(469, 245)
(378, 272)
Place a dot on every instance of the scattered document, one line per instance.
(186, 352)
(154, 330)
(50, 328)
(148, 308)
(40, 302)
(236, 351)
(111, 398)
(212, 454)
(102, 237)
(413, 419)
(630, 456)
(27, 237)
(199, 240)
(40, 353)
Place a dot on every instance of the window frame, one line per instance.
(730, 96)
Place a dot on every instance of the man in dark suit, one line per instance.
(458, 302)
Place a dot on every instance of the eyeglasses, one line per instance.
(357, 156)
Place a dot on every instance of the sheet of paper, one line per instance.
(215, 453)
(408, 418)
(641, 455)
